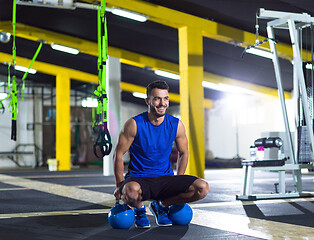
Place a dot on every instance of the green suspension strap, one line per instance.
(103, 140)
(11, 68)
(29, 67)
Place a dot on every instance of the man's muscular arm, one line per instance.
(126, 138)
(182, 146)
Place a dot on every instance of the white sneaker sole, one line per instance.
(148, 226)
(156, 218)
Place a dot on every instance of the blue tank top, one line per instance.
(152, 145)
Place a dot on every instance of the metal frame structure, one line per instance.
(291, 22)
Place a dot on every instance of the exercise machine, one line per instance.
(295, 23)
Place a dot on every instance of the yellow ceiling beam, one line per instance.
(210, 29)
(81, 76)
(35, 34)
(50, 68)
(87, 47)
(127, 57)
(142, 61)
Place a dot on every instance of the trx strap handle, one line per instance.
(13, 130)
(14, 108)
(103, 142)
(2, 109)
(100, 128)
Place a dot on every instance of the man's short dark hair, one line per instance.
(156, 84)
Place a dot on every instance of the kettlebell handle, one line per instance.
(125, 206)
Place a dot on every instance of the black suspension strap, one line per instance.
(2, 108)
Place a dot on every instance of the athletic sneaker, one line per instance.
(141, 220)
(161, 214)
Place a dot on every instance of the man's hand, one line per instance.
(117, 194)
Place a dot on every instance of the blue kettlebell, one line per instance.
(121, 216)
(180, 214)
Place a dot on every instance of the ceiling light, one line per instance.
(260, 52)
(129, 14)
(90, 102)
(25, 69)
(3, 95)
(167, 74)
(66, 49)
(226, 88)
(309, 66)
(210, 85)
(139, 95)
(235, 89)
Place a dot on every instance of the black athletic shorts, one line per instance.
(160, 188)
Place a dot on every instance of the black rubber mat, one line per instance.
(24, 201)
(224, 185)
(96, 227)
(298, 213)
(4, 185)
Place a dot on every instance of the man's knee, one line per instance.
(201, 188)
(131, 193)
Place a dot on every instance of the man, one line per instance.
(149, 137)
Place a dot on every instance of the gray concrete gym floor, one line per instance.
(38, 204)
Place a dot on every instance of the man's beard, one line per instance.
(153, 111)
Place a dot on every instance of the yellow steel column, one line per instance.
(192, 96)
(63, 132)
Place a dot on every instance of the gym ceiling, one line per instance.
(143, 47)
